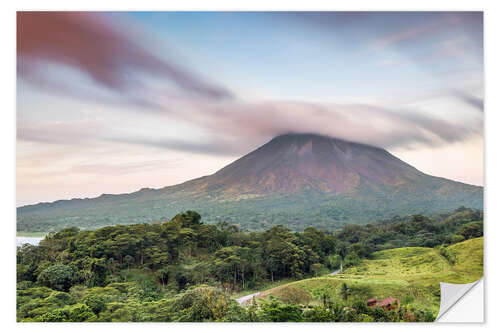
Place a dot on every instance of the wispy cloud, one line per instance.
(370, 124)
(434, 25)
(88, 42)
(402, 35)
(122, 168)
(474, 101)
(72, 133)
(234, 128)
(221, 147)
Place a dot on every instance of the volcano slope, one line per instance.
(297, 180)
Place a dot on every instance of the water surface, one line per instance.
(30, 240)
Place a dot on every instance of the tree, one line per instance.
(344, 291)
(188, 219)
(96, 303)
(203, 303)
(342, 251)
(28, 260)
(156, 257)
(315, 268)
(283, 258)
(226, 264)
(94, 271)
(182, 278)
(245, 258)
(352, 259)
(163, 275)
(59, 277)
(129, 260)
(472, 230)
(334, 261)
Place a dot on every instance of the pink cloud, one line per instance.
(90, 43)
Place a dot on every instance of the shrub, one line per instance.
(276, 311)
(319, 314)
(96, 303)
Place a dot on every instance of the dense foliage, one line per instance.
(184, 270)
(124, 302)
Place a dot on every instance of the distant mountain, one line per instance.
(297, 180)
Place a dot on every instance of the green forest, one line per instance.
(185, 270)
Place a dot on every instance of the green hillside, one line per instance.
(410, 274)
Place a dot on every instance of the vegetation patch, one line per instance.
(409, 274)
(185, 270)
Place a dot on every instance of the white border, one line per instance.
(7, 114)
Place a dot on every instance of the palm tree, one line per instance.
(344, 291)
(342, 253)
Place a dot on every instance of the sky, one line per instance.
(112, 102)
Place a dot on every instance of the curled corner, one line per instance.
(451, 293)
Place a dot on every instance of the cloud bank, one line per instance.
(119, 66)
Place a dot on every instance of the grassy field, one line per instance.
(409, 274)
(262, 286)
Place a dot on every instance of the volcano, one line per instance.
(294, 163)
(297, 180)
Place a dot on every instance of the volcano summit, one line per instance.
(297, 180)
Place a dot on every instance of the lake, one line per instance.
(30, 240)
